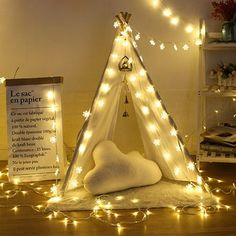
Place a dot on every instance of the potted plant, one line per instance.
(226, 12)
(226, 74)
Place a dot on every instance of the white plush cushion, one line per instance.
(115, 171)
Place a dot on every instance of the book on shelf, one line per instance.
(207, 146)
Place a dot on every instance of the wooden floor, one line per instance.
(163, 222)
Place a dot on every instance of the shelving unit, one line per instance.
(217, 104)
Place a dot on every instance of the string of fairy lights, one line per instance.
(175, 21)
(102, 210)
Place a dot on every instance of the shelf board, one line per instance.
(220, 46)
(217, 159)
(218, 93)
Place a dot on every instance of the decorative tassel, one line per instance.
(126, 100)
(125, 114)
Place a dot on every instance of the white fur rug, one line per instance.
(162, 194)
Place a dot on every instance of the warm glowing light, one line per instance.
(137, 36)
(87, 134)
(186, 47)
(152, 128)
(162, 46)
(55, 199)
(216, 111)
(164, 115)
(191, 165)
(53, 139)
(174, 20)
(74, 183)
(175, 47)
(135, 200)
(234, 99)
(53, 108)
(199, 180)
(167, 156)
(152, 42)
(155, 3)
(16, 181)
(167, 12)
(2, 80)
(50, 95)
(145, 110)
(150, 89)
(177, 171)
(81, 149)
(119, 198)
(198, 42)
(173, 132)
(116, 24)
(114, 56)
(178, 149)
(133, 78)
(189, 29)
(138, 95)
(189, 187)
(79, 169)
(105, 88)
(158, 103)
(15, 209)
(86, 114)
(157, 142)
(110, 72)
(135, 213)
(125, 43)
(142, 72)
(101, 103)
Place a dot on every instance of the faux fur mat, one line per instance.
(162, 194)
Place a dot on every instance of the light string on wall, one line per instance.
(176, 20)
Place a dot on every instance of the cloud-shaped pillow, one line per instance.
(115, 171)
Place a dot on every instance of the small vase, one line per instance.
(228, 31)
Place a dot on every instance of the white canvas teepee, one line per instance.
(159, 134)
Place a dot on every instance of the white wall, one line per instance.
(73, 38)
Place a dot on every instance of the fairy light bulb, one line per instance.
(86, 114)
(142, 72)
(167, 12)
(50, 95)
(162, 46)
(135, 200)
(152, 42)
(158, 104)
(110, 72)
(177, 171)
(137, 36)
(191, 166)
(150, 89)
(157, 142)
(114, 56)
(101, 103)
(186, 47)
(199, 180)
(15, 209)
(198, 42)
(138, 95)
(133, 78)
(87, 134)
(189, 187)
(2, 80)
(81, 149)
(173, 132)
(152, 128)
(53, 139)
(145, 110)
(234, 99)
(116, 24)
(189, 28)
(53, 108)
(155, 3)
(164, 115)
(175, 47)
(74, 183)
(125, 43)
(178, 149)
(174, 20)
(166, 156)
(119, 198)
(105, 88)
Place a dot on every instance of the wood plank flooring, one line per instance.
(26, 222)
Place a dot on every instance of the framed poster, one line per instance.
(35, 140)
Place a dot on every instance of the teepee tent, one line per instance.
(161, 140)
